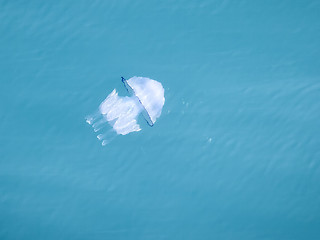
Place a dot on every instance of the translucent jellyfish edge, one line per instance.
(144, 112)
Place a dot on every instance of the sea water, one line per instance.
(234, 155)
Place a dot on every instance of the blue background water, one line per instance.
(235, 154)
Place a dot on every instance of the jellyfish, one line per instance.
(121, 113)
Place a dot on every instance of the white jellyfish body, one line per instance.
(147, 97)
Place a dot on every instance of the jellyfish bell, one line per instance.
(150, 94)
(121, 113)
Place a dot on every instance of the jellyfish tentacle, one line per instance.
(99, 124)
(90, 119)
(107, 137)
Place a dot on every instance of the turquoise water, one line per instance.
(234, 155)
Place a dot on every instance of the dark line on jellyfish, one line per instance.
(123, 79)
(125, 82)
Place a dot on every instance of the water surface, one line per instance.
(234, 155)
